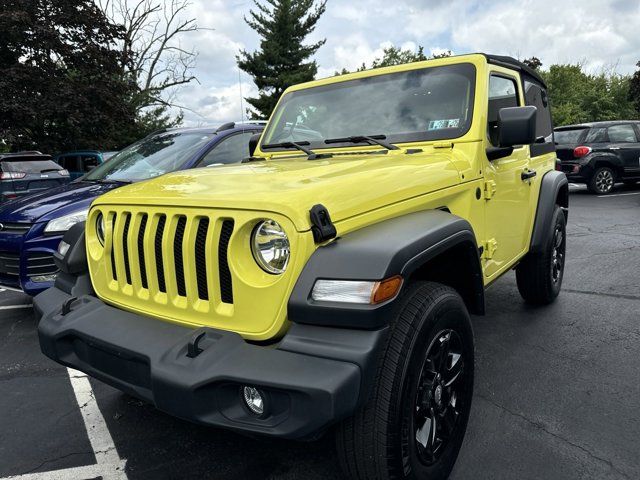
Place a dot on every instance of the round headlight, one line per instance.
(270, 247)
(100, 228)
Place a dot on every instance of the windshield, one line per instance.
(34, 166)
(568, 137)
(152, 156)
(427, 104)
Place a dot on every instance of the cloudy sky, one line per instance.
(598, 33)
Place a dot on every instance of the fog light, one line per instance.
(253, 400)
(63, 248)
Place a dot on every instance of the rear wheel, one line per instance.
(413, 425)
(539, 275)
(602, 181)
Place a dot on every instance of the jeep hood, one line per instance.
(54, 202)
(347, 185)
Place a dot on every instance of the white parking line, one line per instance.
(618, 195)
(99, 436)
(9, 307)
(108, 465)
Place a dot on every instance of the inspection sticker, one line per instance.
(440, 124)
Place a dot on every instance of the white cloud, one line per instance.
(599, 33)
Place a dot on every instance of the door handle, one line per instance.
(528, 174)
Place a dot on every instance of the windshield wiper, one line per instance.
(300, 146)
(377, 139)
(108, 180)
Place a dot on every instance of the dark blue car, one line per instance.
(24, 173)
(31, 227)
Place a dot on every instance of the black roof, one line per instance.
(604, 124)
(31, 155)
(514, 64)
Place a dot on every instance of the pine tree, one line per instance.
(283, 59)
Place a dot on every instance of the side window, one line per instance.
(622, 134)
(70, 162)
(536, 96)
(596, 135)
(89, 162)
(231, 150)
(503, 93)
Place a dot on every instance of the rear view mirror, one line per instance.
(253, 143)
(517, 126)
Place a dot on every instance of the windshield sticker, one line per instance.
(440, 124)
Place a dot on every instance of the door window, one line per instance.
(622, 134)
(536, 96)
(231, 150)
(89, 162)
(503, 93)
(596, 135)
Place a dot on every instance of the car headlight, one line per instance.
(62, 224)
(100, 228)
(270, 247)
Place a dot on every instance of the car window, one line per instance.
(596, 135)
(568, 137)
(423, 104)
(536, 96)
(622, 134)
(503, 93)
(70, 162)
(89, 162)
(36, 166)
(152, 156)
(230, 150)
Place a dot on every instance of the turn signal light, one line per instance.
(580, 152)
(386, 289)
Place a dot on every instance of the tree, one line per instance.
(396, 56)
(634, 89)
(576, 96)
(61, 83)
(151, 54)
(283, 58)
(533, 63)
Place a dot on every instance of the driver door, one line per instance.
(507, 195)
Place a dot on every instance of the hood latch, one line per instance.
(321, 225)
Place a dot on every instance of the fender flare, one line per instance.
(399, 246)
(554, 190)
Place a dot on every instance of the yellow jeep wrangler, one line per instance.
(327, 281)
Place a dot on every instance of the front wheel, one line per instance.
(413, 425)
(539, 275)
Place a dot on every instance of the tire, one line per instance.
(380, 442)
(602, 181)
(539, 276)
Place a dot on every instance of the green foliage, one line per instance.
(396, 56)
(282, 59)
(634, 89)
(62, 87)
(577, 96)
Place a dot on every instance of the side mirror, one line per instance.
(517, 126)
(253, 143)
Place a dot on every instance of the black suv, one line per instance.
(600, 153)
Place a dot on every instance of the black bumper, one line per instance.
(314, 377)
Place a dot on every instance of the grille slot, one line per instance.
(125, 247)
(15, 228)
(177, 256)
(141, 259)
(226, 286)
(201, 259)
(158, 252)
(41, 263)
(112, 256)
(9, 264)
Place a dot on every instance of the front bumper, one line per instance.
(314, 377)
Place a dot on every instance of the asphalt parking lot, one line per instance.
(557, 390)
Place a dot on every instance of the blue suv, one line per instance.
(31, 227)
